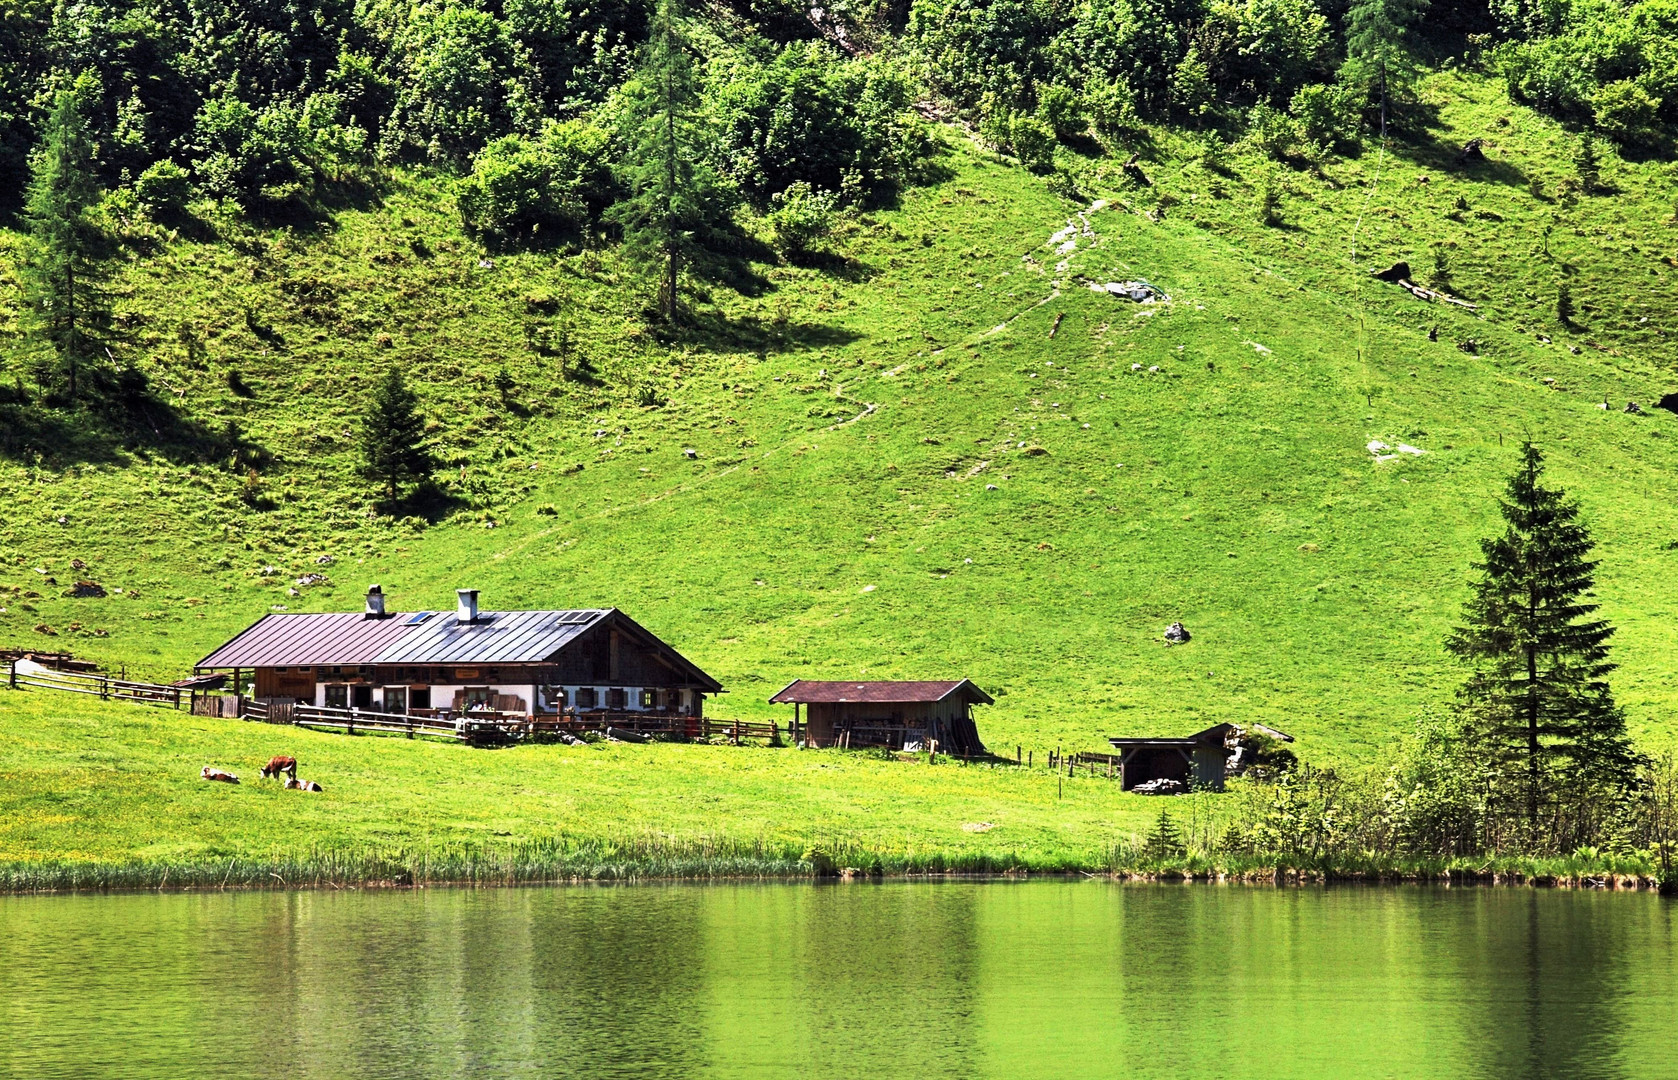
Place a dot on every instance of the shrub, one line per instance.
(1113, 112)
(1062, 108)
(1326, 113)
(809, 114)
(1033, 142)
(1273, 132)
(560, 181)
(164, 189)
(977, 47)
(1625, 111)
(802, 217)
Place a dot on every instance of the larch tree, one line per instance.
(675, 199)
(1378, 59)
(67, 309)
(1539, 697)
(393, 448)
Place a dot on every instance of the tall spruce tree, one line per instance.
(1378, 59)
(393, 449)
(67, 309)
(675, 199)
(1539, 696)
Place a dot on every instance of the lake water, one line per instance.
(1028, 979)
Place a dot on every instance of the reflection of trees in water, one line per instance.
(996, 980)
(888, 979)
(1554, 976)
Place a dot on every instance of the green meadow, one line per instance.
(912, 457)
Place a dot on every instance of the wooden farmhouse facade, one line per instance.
(431, 663)
(897, 715)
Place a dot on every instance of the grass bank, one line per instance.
(99, 795)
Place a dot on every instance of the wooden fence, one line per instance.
(482, 729)
(36, 677)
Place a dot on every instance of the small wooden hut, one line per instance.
(1196, 761)
(898, 715)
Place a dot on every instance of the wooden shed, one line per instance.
(898, 715)
(1197, 761)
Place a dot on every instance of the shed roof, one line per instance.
(806, 691)
(1213, 735)
(429, 637)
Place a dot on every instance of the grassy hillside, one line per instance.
(896, 471)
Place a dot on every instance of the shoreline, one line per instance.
(269, 875)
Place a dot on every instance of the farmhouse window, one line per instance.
(337, 696)
(647, 701)
(396, 699)
(616, 698)
(479, 697)
(586, 697)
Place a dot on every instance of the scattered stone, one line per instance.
(324, 560)
(690, 453)
(311, 579)
(77, 564)
(1376, 446)
(1176, 634)
(1471, 152)
(977, 826)
(990, 487)
(1142, 292)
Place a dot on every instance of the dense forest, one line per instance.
(282, 107)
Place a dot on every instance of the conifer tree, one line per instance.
(1539, 696)
(67, 309)
(393, 446)
(1377, 56)
(675, 199)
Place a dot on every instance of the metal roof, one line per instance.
(344, 637)
(494, 637)
(806, 691)
(419, 638)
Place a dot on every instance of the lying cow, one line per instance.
(295, 784)
(278, 764)
(216, 774)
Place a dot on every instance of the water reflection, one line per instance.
(912, 980)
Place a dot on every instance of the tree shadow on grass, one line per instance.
(714, 331)
(121, 416)
(1417, 140)
(833, 264)
(430, 502)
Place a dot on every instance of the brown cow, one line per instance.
(278, 764)
(216, 774)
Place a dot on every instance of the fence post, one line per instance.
(14, 673)
(104, 689)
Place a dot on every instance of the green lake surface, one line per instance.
(957, 979)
